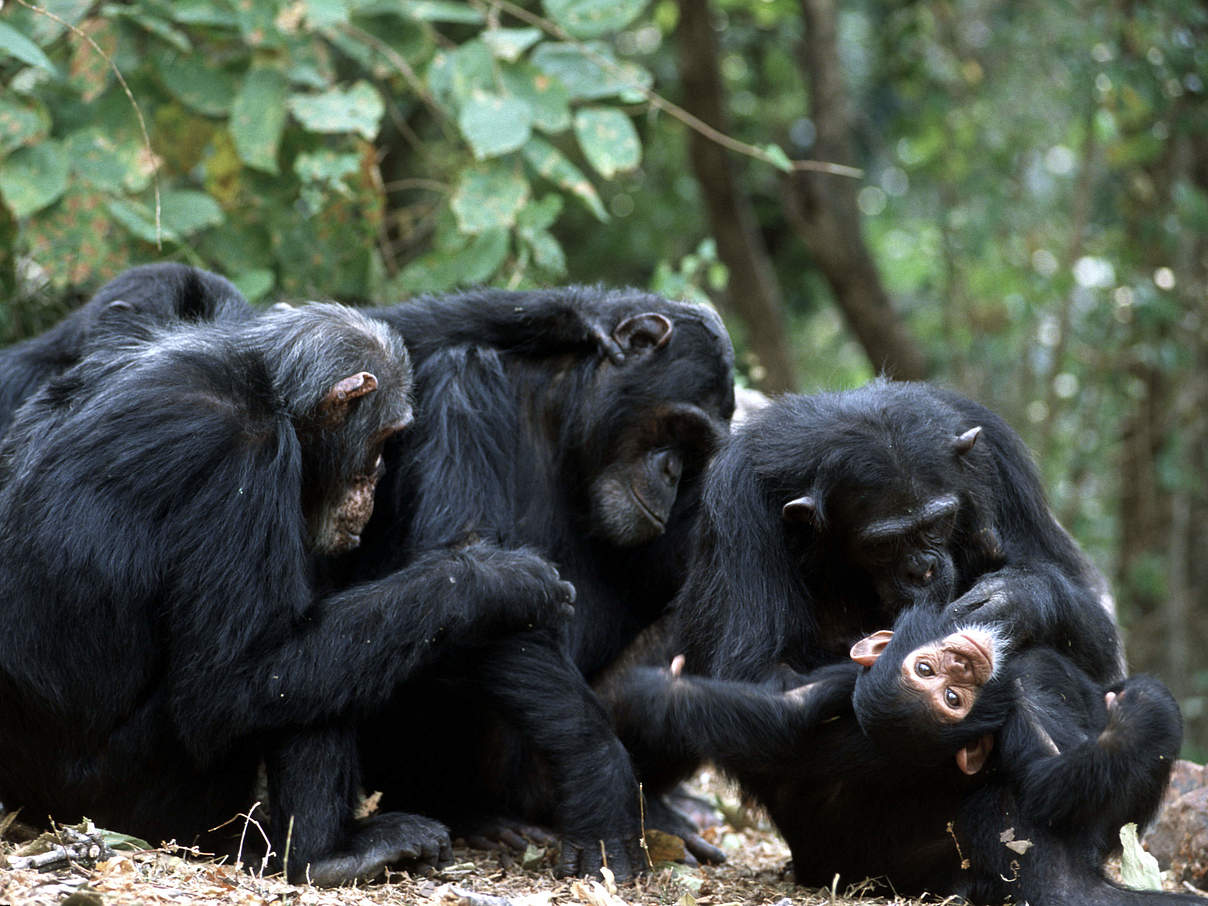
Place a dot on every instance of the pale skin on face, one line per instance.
(948, 674)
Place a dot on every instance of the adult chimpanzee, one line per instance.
(577, 421)
(826, 515)
(153, 294)
(1031, 817)
(162, 507)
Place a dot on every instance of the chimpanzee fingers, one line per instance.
(703, 850)
(608, 346)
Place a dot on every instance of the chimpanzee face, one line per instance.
(670, 401)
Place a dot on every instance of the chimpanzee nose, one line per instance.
(920, 568)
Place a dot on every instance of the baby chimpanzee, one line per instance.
(1014, 786)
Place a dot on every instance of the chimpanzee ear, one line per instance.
(866, 651)
(334, 405)
(973, 757)
(964, 442)
(646, 331)
(801, 509)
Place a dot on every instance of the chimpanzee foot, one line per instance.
(661, 815)
(623, 858)
(375, 844)
(500, 833)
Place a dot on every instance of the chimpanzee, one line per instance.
(826, 515)
(577, 421)
(153, 294)
(164, 504)
(1021, 798)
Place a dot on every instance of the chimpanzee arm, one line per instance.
(662, 718)
(538, 322)
(1039, 603)
(1115, 774)
(350, 650)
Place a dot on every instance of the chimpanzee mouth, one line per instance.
(660, 521)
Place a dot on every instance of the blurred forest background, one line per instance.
(1006, 196)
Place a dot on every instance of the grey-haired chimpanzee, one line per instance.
(164, 506)
(1021, 798)
(149, 295)
(826, 515)
(577, 421)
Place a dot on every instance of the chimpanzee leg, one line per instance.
(595, 794)
(313, 784)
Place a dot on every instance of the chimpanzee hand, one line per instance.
(826, 693)
(376, 843)
(1141, 710)
(989, 600)
(535, 594)
(585, 858)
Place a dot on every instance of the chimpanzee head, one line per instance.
(890, 495)
(648, 424)
(346, 382)
(933, 690)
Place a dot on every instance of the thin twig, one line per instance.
(661, 103)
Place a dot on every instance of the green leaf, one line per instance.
(592, 18)
(107, 163)
(357, 109)
(33, 178)
(326, 13)
(553, 165)
(540, 214)
(138, 220)
(1138, 869)
(187, 212)
(258, 118)
(21, 124)
(488, 198)
(495, 125)
(608, 139)
(547, 252)
(474, 262)
(547, 98)
(454, 76)
(15, 44)
(124, 842)
(578, 68)
(778, 158)
(509, 43)
(209, 13)
(207, 89)
(153, 24)
(254, 284)
(437, 11)
(326, 167)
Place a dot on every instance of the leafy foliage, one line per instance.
(267, 121)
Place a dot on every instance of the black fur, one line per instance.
(524, 400)
(765, 592)
(1064, 776)
(161, 629)
(154, 294)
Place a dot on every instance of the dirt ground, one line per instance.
(753, 874)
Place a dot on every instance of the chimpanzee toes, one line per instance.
(622, 858)
(703, 850)
(375, 844)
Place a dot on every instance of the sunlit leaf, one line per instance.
(204, 88)
(590, 71)
(357, 109)
(33, 178)
(326, 13)
(138, 220)
(778, 158)
(1138, 869)
(488, 198)
(593, 18)
(258, 118)
(608, 139)
(21, 123)
(509, 43)
(547, 97)
(494, 125)
(107, 163)
(454, 75)
(15, 44)
(553, 165)
(187, 212)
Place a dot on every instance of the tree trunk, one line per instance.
(823, 209)
(753, 293)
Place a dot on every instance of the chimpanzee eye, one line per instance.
(952, 699)
(922, 668)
